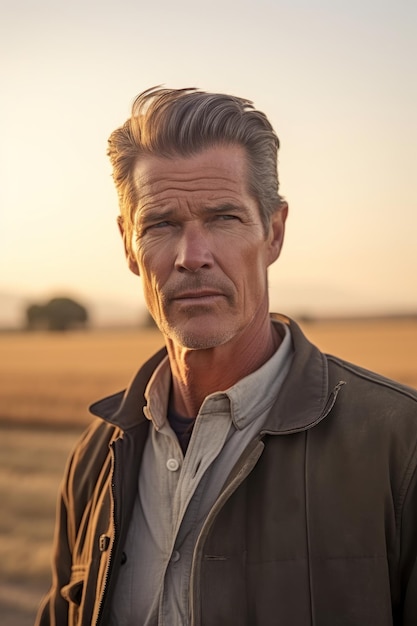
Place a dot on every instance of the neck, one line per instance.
(199, 373)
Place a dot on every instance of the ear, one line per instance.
(131, 261)
(277, 232)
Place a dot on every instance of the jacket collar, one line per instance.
(309, 391)
(304, 399)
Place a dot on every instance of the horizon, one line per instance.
(107, 313)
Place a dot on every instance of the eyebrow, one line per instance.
(224, 207)
(229, 207)
(149, 216)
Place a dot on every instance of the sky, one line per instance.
(337, 80)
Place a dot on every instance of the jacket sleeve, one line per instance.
(53, 610)
(89, 460)
(408, 555)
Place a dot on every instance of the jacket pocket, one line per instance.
(74, 590)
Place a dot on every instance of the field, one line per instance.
(46, 383)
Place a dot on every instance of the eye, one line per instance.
(157, 226)
(226, 217)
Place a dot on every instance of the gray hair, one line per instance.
(169, 122)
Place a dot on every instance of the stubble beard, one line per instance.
(188, 328)
(196, 339)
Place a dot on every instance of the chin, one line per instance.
(200, 338)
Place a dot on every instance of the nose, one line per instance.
(193, 249)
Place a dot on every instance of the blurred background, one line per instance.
(336, 79)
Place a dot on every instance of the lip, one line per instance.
(195, 295)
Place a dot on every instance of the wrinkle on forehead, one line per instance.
(197, 185)
(208, 168)
(150, 185)
(208, 199)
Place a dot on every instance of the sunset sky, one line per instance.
(337, 80)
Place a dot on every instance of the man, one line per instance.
(244, 478)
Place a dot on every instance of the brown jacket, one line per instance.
(316, 525)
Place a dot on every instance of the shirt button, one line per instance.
(175, 556)
(172, 465)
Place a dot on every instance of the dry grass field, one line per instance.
(46, 383)
(51, 378)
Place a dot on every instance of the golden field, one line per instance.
(51, 378)
(47, 382)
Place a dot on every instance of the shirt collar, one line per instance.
(245, 401)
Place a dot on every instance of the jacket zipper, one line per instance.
(115, 537)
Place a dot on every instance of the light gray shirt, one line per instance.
(176, 492)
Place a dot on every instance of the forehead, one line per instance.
(215, 170)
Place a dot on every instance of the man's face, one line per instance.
(199, 245)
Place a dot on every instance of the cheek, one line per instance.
(154, 271)
(256, 273)
(145, 260)
(151, 293)
(249, 275)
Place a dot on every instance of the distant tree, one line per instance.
(65, 313)
(35, 317)
(58, 314)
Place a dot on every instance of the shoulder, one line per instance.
(371, 387)
(378, 416)
(97, 436)
(374, 421)
(89, 457)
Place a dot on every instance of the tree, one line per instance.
(35, 317)
(58, 314)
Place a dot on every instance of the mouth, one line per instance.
(204, 296)
(200, 293)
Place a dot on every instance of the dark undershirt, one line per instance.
(182, 427)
